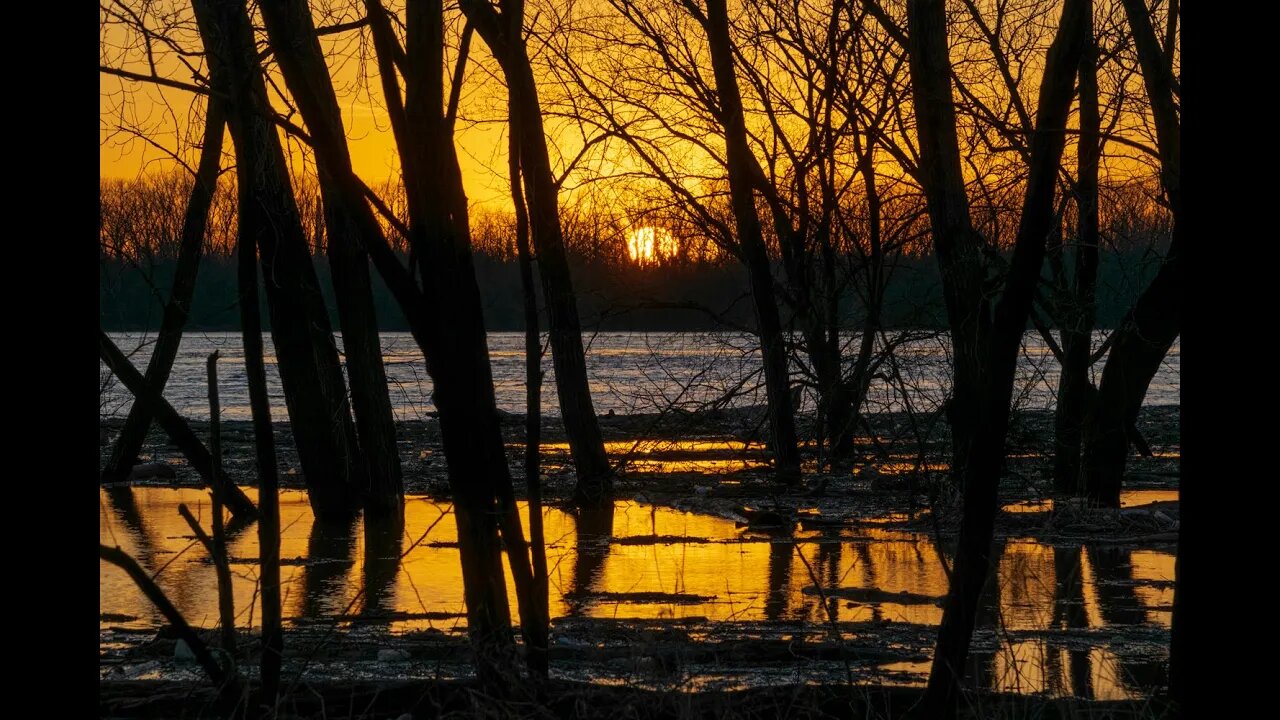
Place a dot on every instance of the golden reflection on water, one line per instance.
(1128, 499)
(642, 561)
(644, 447)
(680, 456)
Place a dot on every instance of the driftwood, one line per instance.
(228, 682)
(177, 428)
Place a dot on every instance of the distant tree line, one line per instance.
(141, 224)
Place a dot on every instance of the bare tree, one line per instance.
(986, 334)
(1151, 326)
(502, 29)
(347, 219)
(307, 356)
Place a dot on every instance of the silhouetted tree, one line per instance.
(1074, 386)
(306, 354)
(446, 320)
(347, 219)
(986, 332)
(1151, 326)
(502, 29)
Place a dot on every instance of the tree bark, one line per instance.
(503, 33)
(956, 243)
(306, 353)
(125, 452)
(930, 74)
(448, 324)
(347, 219)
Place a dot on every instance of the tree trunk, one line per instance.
(268, 482)
(449, 326)
(860, 380)
(1074, 386)
(347, 219)
(982, 470)
(306, 354)
(754, 253)
(503, 33)
(125, 452)
(537, 658)
(173, 424)
(1152, 325)
(228, 682)
(956, 244)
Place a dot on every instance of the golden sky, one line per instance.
(169, 118)
(141, 124)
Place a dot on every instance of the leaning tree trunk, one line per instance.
(348, 220)
(503, 33)
(1151, 326)
(306, 354)
(125, 452)
(174, 426)
(982, 469)
(1074, 386)
(768, 325)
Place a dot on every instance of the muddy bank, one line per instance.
(643, 445)
(583, 701)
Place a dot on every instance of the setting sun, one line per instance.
(648, 245)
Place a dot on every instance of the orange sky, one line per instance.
(164, 115)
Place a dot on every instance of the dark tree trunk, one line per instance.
(265, 458)
(860, 380)
(174, 426)
(1152, 325)
(1074, 386)
(306, 353)
(503, 33)
(347, 220)
(751, 238)
(125, 453)
(930, 73)
(956, 243)
(217, 544)
(447, 323)
(538, 660)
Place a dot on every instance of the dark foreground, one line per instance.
(398, 699)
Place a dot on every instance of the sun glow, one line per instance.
(649, 245)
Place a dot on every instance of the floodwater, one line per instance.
(653, 563)
(627, 372)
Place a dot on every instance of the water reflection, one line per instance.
(643, 561)
(381, 565)
(594, 528)
(329, 559)
(708, 456)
